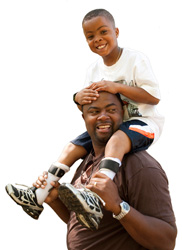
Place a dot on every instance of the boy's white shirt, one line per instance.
(133, 69)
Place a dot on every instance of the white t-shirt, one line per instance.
(133, 69)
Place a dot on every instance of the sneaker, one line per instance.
(85, 203)
(27, 199)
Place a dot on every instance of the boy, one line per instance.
(126, 72)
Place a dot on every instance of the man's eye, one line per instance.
(111, 110)
(93, 112)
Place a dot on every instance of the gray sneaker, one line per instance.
(25, 198)
(85, 203)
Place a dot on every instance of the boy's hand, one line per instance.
(86, 96)
(41, 183)
(111, 87)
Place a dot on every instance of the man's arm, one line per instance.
(60, 209)
(150, 232)
(52, 199)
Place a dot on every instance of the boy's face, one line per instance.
(101, 36)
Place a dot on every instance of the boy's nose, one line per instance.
(98, 39)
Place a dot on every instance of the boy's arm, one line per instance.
(85, 96)
(136, 94)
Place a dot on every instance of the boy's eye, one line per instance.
(90, 37)
(103, 32)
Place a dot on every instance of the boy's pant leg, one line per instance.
(83, 140)
(140, 134)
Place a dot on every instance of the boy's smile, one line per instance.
(101, 36)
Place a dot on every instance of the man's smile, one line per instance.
(103, 128)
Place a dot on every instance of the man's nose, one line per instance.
(103, 117)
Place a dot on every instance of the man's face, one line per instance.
(103, 117)
(101, 35)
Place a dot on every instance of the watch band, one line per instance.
(125, 208)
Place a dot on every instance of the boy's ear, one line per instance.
(117, 32)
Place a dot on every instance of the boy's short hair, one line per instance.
(99, 12)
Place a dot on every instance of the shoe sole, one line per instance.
(70, 198)
(31, 212)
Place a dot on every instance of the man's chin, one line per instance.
(104, 138)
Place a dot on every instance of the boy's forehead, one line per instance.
(97, 22)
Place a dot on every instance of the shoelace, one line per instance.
(22, 185)
(28, 190)
(88, 190)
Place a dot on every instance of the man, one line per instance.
(138, 212)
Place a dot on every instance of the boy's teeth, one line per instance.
(101, 46)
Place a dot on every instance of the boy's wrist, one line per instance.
(74, 96)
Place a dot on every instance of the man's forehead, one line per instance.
(105, 100)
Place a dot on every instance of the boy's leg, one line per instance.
(31, 199)
(70, 154)
(133, 136)
(118, 145)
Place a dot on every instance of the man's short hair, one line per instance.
(99, 12)
(120, 100)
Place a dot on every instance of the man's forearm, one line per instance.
(60, 209)
(149, 232)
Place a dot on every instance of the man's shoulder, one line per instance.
(134, 163)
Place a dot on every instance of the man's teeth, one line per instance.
(101, 46)
(103, 126)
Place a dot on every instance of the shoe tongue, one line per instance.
(33, 189)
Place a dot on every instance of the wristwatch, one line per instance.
(125, 208)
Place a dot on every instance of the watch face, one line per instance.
(125, 206)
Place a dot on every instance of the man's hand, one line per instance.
(107, 190)
(41, 183)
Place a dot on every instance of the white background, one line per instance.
(43, 60)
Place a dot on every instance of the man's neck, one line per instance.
(98, 150)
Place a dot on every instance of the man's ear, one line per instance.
(83, 116)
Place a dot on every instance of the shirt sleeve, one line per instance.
(149, 194)
(145, 78)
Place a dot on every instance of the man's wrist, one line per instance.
(124, 210)
(117, 210)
